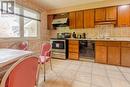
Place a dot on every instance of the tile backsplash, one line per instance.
(97, 32)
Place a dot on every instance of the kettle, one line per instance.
(74, 35)
(84, 35)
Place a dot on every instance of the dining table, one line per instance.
(9, 56)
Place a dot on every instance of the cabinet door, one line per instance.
(74, 49)
(49, 22)
(79, 19)
(100, 14)
(125, 56)
(72, 20)
(124, 16)
(74, 56)
(114, 55)
(89, 18)
(111, 13)
(101, 54)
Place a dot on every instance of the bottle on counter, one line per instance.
(84, 35)
(74, 35)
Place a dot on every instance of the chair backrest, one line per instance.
(46, 48)
(23, 74)
(23, 46)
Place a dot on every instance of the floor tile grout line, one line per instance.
(59, 75)
(77, 70)
(123, 75)
(107, 76)
(86, 72)
(75, 74)
(91, 74)
(63, 77)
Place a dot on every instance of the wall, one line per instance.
(34, 44)
(98, 32)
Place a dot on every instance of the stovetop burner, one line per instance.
(58, 38)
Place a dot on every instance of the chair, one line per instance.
(22, 74)
(23, 46)
(45, 56)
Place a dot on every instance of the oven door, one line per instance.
(58, 44)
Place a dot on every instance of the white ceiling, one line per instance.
(54, 4)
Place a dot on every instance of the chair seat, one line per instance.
(44, 59)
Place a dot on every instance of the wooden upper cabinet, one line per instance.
(111, 13)
(89, 19)
(124, 16)
(72, 20)
(106, 14)
(79, 19)
(49, 21)
(100, 14)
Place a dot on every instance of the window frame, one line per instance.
(21, 25)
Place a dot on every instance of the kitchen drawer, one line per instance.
(125, 44)
(74, 46)
(74, 50)
(73, 42)
(74, 56)
(58, 55)
(114, 44)
(101, 43)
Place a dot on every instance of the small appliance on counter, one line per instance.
(63, 35)
(79, 35)
(73, 35)
(84, 36)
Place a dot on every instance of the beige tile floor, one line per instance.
(70, 73)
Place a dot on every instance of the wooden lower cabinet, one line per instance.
(114, 55)
(107, 52)
(73, 56)
(125, 56)
(101, 54)
(73, 49)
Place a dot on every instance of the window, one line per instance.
(30, 26)
(23, 23)
(9, 26)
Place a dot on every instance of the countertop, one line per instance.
(103, 39)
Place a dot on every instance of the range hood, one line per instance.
(61, 22)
